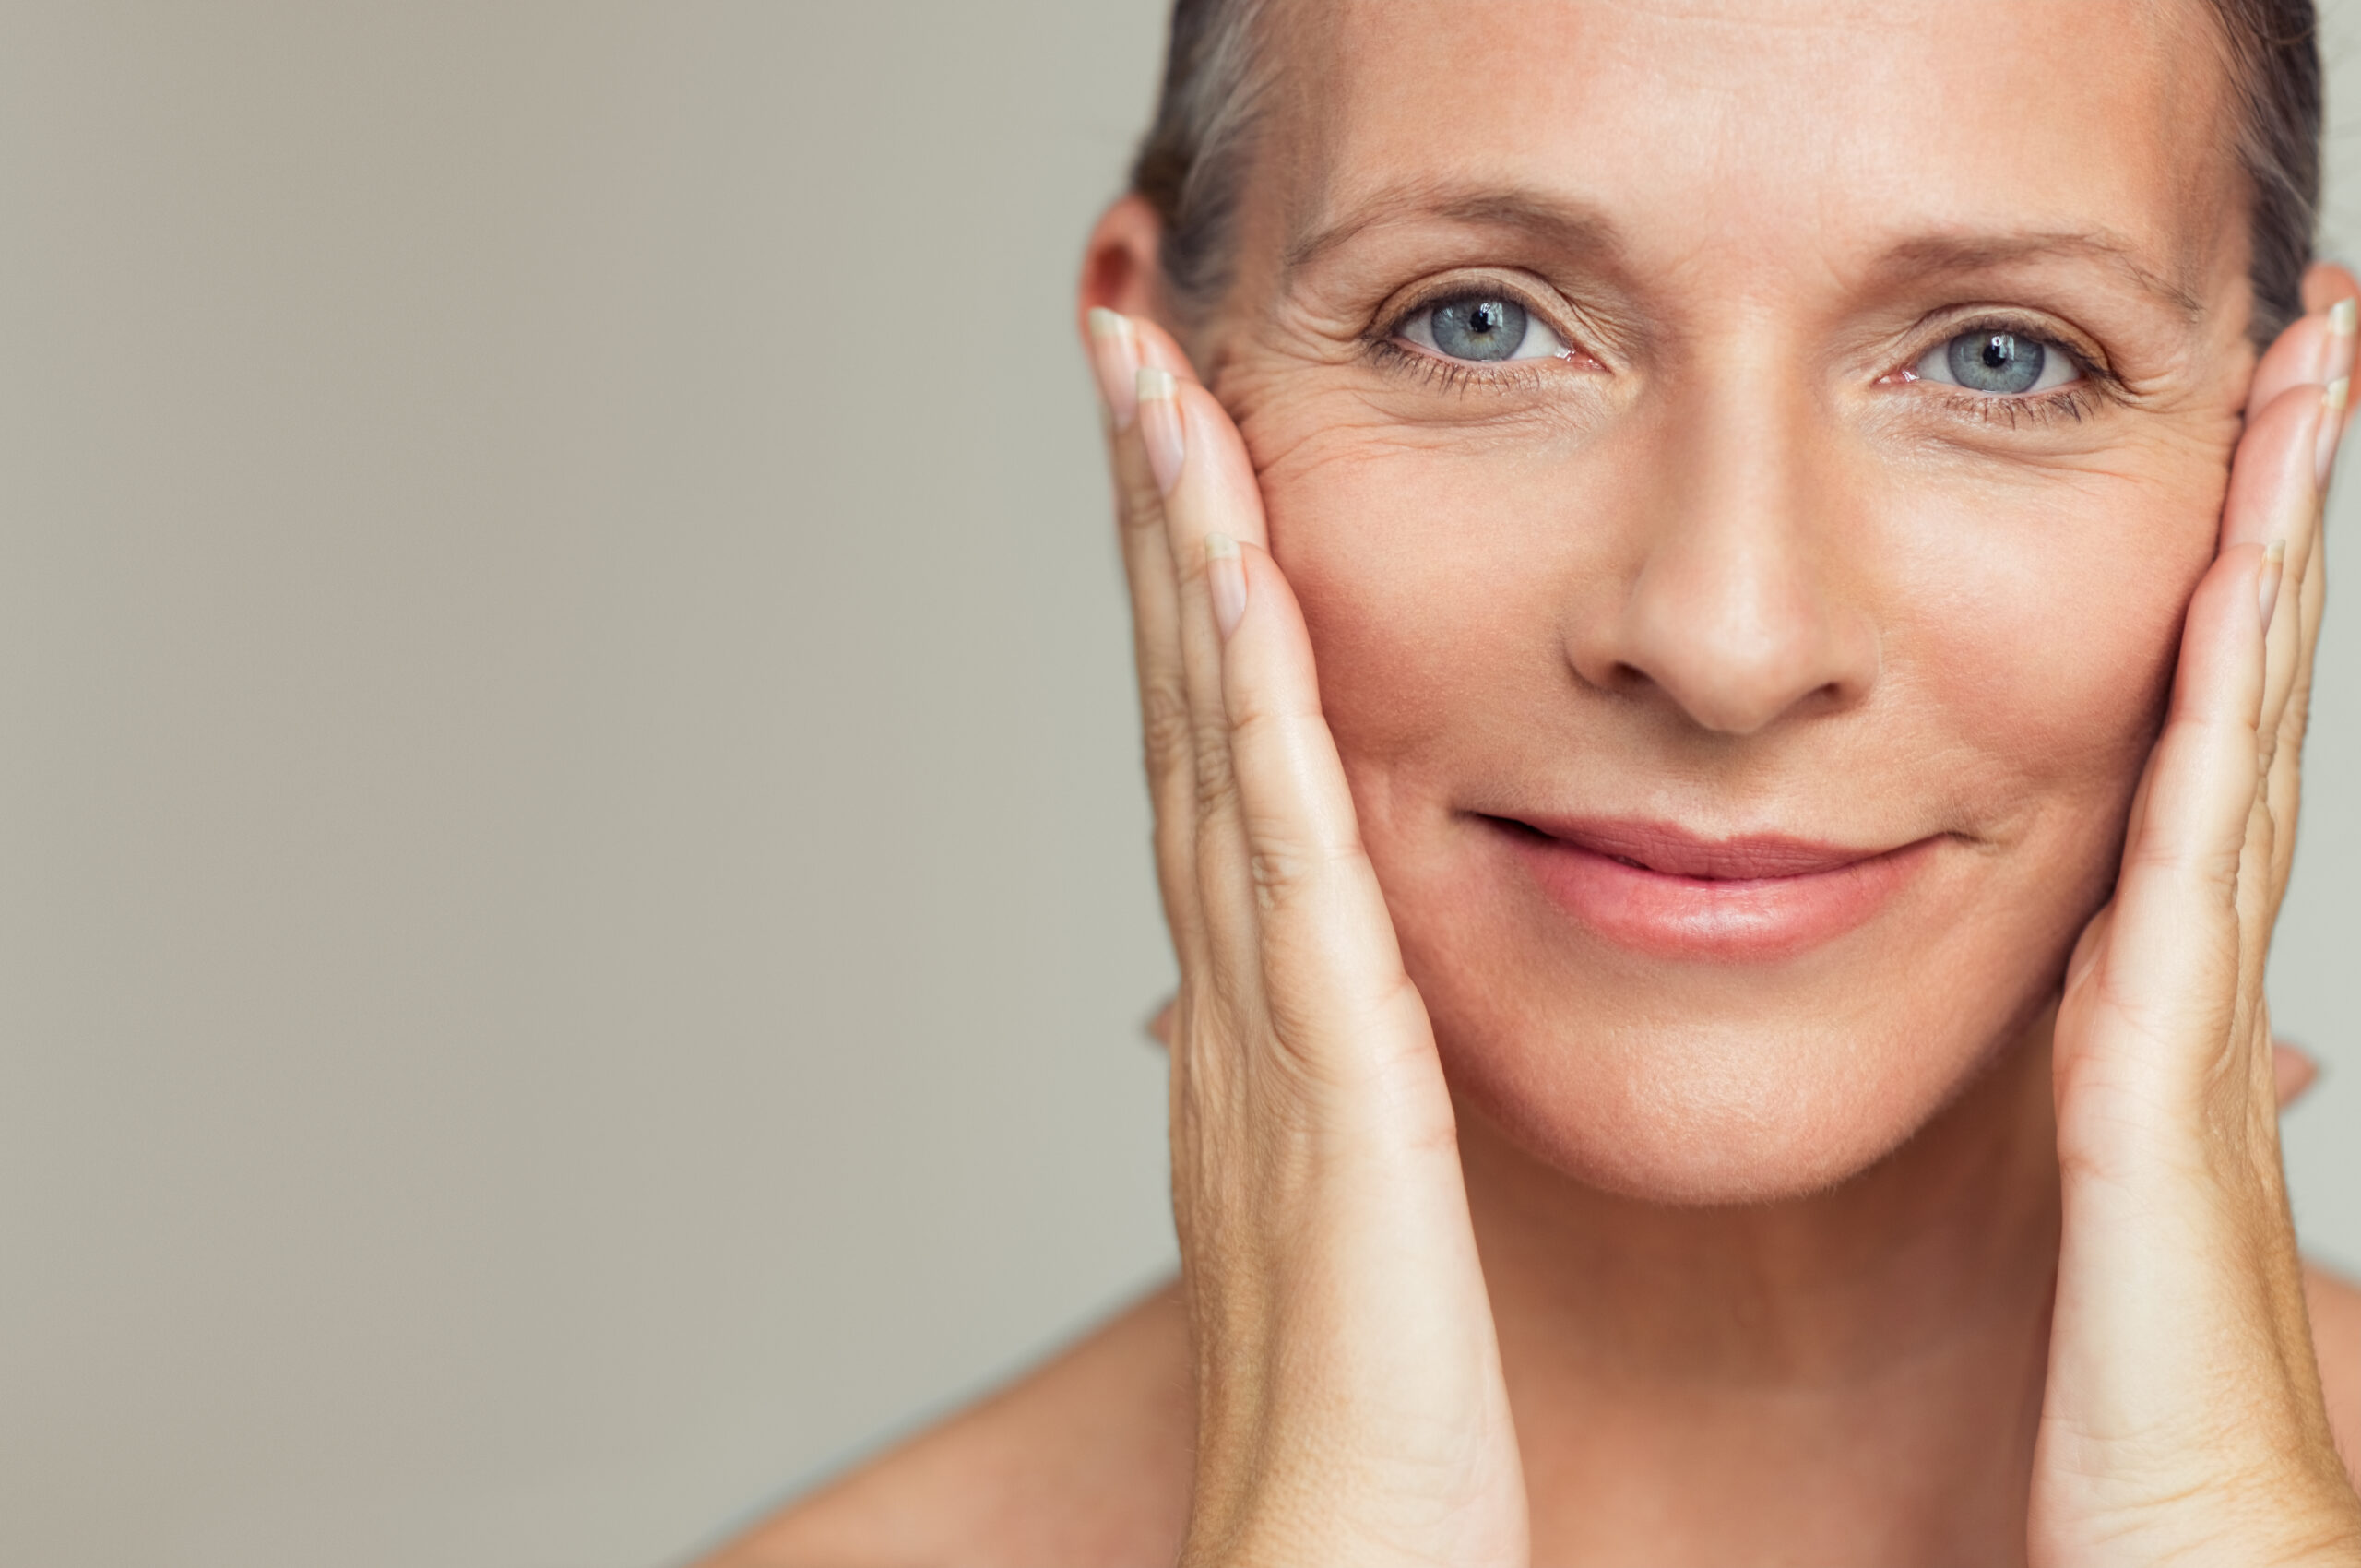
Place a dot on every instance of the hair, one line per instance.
(1192, 165)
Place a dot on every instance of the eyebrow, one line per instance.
(1577, 227)
(1932, 254)
(1561, 223)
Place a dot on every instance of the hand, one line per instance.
(2183, 1419)
(1351, 1404)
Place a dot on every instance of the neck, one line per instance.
(1850, 1375)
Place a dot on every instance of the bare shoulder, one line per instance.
(1081, 1463)
(2335, 1304)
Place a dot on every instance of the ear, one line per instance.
(2324, 284)
(1119, 270)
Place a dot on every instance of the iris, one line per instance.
(1478, 328)
(1995, 361)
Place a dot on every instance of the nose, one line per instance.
(1739, 597)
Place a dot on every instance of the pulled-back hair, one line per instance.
(1193, 163)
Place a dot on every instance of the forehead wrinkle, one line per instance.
(1561, 223)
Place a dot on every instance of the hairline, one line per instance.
(1199, 247)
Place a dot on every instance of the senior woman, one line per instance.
(1724, 597)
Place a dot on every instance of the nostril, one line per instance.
(1622, 677)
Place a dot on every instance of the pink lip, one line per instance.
(1659, 889)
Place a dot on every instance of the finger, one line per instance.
(1342, 1005)
(2318, 349)
(1208, 488)
(2275, 493)
(2274, 496)
(1116, 351)
(2174, 959)
(2285, 788)
(2295, 1071)
(2274, 501)
(1160, 351)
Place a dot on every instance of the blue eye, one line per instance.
(2006, 365)
(1482, 328)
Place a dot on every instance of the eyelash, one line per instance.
(1385, 347)
(1453, 375)
(2075, 402)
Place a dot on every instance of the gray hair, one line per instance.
(1194, 160)
(1192, 164)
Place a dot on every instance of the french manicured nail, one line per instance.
(2274, 566)
(1159, 412)
(1115, 354)
(1226, 579)
(2333, 398)
(2335, 357)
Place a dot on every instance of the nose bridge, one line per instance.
(1738, 609)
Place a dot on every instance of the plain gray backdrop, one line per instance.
(575, 914)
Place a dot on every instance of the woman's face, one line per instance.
(1744, 466)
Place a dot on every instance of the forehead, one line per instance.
(1765, 127)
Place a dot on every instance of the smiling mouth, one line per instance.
(1657, 888)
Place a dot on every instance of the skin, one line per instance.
(1958, 1236)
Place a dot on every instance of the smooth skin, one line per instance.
(1958, 1238)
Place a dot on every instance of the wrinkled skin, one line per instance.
(1731, 579)
(1952, 1230)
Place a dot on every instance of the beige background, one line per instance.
(574, 914)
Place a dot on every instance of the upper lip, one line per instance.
(1670, 850)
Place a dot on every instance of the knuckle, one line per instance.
(1216, 784)
(1252, 721)
(1287, 865)
(1166, 732)
(1138, 504)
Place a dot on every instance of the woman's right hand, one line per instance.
(1349, 1398)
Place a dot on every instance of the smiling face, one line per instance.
(1744, 466)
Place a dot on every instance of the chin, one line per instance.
(1700, 1116)
(1734, 1088)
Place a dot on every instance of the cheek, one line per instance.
(2035, 626)
(1432, 579)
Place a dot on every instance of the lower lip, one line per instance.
(1690, 917)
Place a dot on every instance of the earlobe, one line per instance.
(1120, 269)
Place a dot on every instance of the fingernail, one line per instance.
(2274, 566)
(2333, 398)
(1159, 413)
(1225, 577)
(1115, 354)
(2336, 356)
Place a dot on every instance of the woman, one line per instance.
(1724, 1023)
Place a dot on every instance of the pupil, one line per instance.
(1487, 317)
(1998, 350)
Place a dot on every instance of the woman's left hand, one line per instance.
(2183, 1419)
